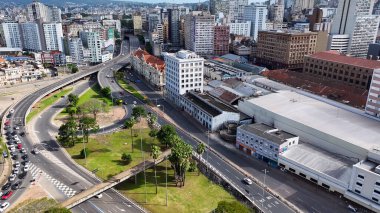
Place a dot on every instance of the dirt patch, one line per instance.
(114, 115)
(34, 192)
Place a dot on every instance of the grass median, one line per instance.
(130, 89)
(46, 102)
(198, 195)
(106, 151)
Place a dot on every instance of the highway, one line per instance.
(52, 164)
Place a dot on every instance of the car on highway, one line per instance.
(7, 195)
(12, 177)
(12, 111)
(16, 170)
(99, 195)
(112, 81)
(22, 134)
(4, 206)
(247, 181)
(6, 186)
(22, 175)
(17, 185)
(108, 76)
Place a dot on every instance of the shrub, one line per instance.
(127, 158)
(84, 153)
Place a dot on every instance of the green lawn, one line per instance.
(198, 195)
(45, 102)
(106, 151)
(93, 92)
(130, 89)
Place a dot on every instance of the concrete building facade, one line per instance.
(31, 36)
(221, 40)
(243, 28)
(373, 100)
(257, 15)
(12, 35)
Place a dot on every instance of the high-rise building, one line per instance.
(276, 12)
(31, 36)
(54, 14)
(354, 18)
(53, 36)
(221, 40)
(174, 26)
(243, 28)
(76, 50)
(219, 6)
(37, 10)
(137, 24)
(289, 53)
(316, 17)
(199, 32)
(300, 5)
(373, 101)
(12, 35)
(257, 15)
(94, 45)
(153, 20)
(183, 73)
(236, 10)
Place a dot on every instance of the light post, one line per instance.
(265, 174)
(143, 156)
(84, 146)
(208, 146)
(166, 178)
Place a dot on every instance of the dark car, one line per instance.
(16, 185)
(22, 175)
(25, 162)
(6, 186)
(15, 157)
(22, 134)
(25, 157)
(5, 154)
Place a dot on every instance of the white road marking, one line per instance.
(217, 163)
(97, 208)
(107, 195)
(82, 209)
(227, 170)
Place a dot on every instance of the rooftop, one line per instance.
(262, 130)
(150, 59)
(334, 56)
(320, 160)
(322, 117)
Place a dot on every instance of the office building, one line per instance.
(236, 10)
(37, 11)
(199, 32)
(263, 141)
(355, 72)
(219, 7)
(94, 45)
(315, 17)
(76, 50)
(31, 36)
(174, 26)
(183, 73)
(300, 5)
(53, 36)
(54, 14)
(137, 24)
(374, 51)
(286, 54)
(221, 40)
(373, 100)
(276, 12)
(354, 20)
(242, 29)
(153, 20)
(257, 15)
(12, 35)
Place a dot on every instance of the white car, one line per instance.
(35, 151)
(12, 111)
(99, 195)
(16, 137)
(17, 164)
(23, 150)
(16, 170)
(12, 146)
(248, 181)
(16, 127)
(26, 167)
(12, 177)
(13, 149)
(4, 206)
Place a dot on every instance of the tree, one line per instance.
(57, 210)
(179, 159)
(129, 123)
(106, 91)
(84, 153)
(72, 110)
(165, 133)
(67, 133)
(88, 124)
(117, 34)
(149, 48)
(138, 112)
(152, 120)
(94, 106)
(231, 207)
(153, 133)
(74, 69)
(155, 154)
(127, 158)
(201, 148)
(72, 99)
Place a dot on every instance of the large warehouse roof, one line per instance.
(353, 128)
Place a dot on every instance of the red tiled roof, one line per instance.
(150, 59)
(334, 56)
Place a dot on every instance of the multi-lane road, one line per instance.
(52, 167)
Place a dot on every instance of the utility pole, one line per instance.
(84, 147)
(265, 174)
(208, 146)
(142, 153)
(166, 178)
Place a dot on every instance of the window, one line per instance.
(313, 180)
(282, 165)
(302, 175)
(377, 184)
(361, 176)
(359, 184)
(376, 191)
(325, 186)
(375, 199)
(292, 170)
(357, 191)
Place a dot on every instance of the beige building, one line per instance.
(284, 49)
(137, 24)
(149, 66)
(373, 101)
(356, 72)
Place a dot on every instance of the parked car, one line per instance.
(7, 195)
(23, 150)
(17, 164)
(247, 181)
(12, 111)
(6, 186)
(4, 206)
(12, 177)
(19, 146)
(22, 134)
(16, 170)
(15, 156)
(35, 151)
(22, 175)
(17, 185)
(25, 157)
(5, 154)
(16, 127)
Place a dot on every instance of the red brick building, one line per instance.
(221, 40)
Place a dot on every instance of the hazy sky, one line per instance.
(182, 1)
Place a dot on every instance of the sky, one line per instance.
(180, 1)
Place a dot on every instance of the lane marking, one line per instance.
(97, 208)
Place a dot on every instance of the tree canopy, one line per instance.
(67, 133)
(138, 112)
(180, 160)
(94, 106)
(231, 207)
(88, 124)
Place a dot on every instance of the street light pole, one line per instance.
(265, 174)
(166, 178)
(143, 155)
(84, 147)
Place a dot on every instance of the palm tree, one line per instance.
(201, 148)
(129, 125)
(155, 153)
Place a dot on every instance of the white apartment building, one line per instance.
(339, 42)
(257, 15)
(53, 36)
(373, 100)
(236, 10)
(354, 18)
(199, 32)
(37, 10)
(243, 29)
(183, 73)
(112, 23)
(76, 50)
(94, 45)
(12, 34)
(263, 141)
(31, 36)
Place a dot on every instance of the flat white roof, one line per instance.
(353, 128)
(320, 160)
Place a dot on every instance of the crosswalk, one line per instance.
(35, 171)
